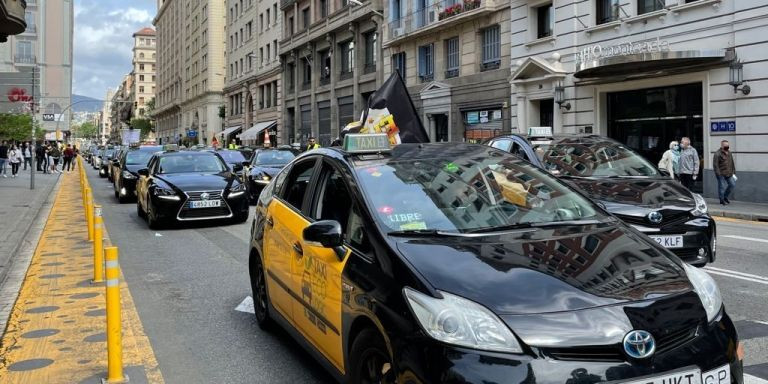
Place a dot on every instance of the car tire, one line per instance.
(120, 198)
(140, 210)
(369, 357)
(152, 220)
(117, 195)
(259, 292)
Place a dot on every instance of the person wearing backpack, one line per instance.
(55, 154)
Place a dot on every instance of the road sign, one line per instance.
(722, 126)
(191, 133)
(49, 117)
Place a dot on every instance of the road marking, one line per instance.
(737, 275)
(745, 238)
(246, 306)
(749, 379)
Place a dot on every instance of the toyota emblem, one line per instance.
(204, 196)
(655, 217)
(639, 344)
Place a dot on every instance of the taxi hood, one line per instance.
(547, 270)
(653, 193)
(198, 181)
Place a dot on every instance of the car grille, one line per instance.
(188, 213)
(613, 353)
(671, 218)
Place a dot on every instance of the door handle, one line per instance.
(270, 222)
(297, 248)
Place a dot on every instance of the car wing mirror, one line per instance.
(237, 167)
(143, 172)
(246, 163)
(326, 234)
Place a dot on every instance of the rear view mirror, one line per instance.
(143, 172)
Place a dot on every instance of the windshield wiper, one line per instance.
(423, 232)
(502, 228)
(535, 225)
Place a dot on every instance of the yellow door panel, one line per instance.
(277, 258)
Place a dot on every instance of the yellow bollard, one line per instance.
(98, 245)
(89, 212)
(114, 331)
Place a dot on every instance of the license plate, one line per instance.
(720, 375)
(669, 241)
(205, 204)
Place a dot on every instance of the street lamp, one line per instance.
(560, 97)
(736, 78)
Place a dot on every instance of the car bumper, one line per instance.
(699, 239)
(166, 209)
(427, 361)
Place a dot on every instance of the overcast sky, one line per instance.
(103, 42)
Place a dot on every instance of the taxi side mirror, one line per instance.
(326, 234)
(237, 167)
(143, 172)
(246, 163)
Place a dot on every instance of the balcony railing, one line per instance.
(433, 14)
(325, 80)
(30, 29)
(369, 68)
(306, 86)
(24, 59)
(345, 75)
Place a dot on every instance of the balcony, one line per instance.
(325, 80)
(24, 59)
(286, 3)
(32, 29)
(438, 16)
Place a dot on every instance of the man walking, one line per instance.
(40, 157)
(3, 158)
(68, 155)
(688, 166)
(725, 171)
(26, 151)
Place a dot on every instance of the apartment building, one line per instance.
(331, 56)
(122, 108)
(44, 47)
(454, 58)
(646, 73)
(253, 72)
(105, 127)
(143, 73)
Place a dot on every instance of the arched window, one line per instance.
(141, 55)
(53, 108)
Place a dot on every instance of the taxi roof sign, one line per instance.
(171, 147)
(366, 143)
(540, 131)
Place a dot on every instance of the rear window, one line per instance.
(274, 157)
(232, 157)
(138, 157)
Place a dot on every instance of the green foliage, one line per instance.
(150, 107)
(222, 111)
(17, 127)
(144, 125)
(87, 130)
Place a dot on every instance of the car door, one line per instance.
(317, 271)
(285, 222)
(143, 182)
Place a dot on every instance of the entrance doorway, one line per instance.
(646, 120)
(441, 127)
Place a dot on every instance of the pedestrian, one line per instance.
(15, 158)
(688, 165)
(725, 171)
(3, 157)
(40, 157)
(312, 145)
(68, 155)
(670, 160)
(53, 155)
(26, 151)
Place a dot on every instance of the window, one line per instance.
(645, 6)
(268, 94)
(141, 67)
(261, 22)
(141, 111)
(325, 66)
(334, 201)
(29, 18)
(249, 29)
(305, 17)
(491, 48)
(426, 62)
(323, 4)
(297, 183)
(290, 76)
(141, 55)
(141, 89)
(398, 63)
(274, 93)
(262, 100)
(268, 19)
(141, 77)
(452, 57)
(502, 144)
(274, 12)
(274, 46)
(307, 74)
(545, 20)
(347, 57)
(268, 53)
(290, 26)
(607, 11)
(371, 51)
(261, 56)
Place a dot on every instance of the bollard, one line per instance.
(114, 322)
(98, 245)
(89, 212)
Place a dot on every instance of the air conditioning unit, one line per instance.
(397, 32)
(432, 17)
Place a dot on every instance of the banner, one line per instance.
(391, 111)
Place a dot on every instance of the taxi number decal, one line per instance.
(314, 290)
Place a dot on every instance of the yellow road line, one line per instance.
(56, 332)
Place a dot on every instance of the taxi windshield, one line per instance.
(208, 163)
(232, 157)
(274, 157)
(466, 194)
(599, 158)
(138, 157)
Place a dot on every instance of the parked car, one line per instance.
(264, 163)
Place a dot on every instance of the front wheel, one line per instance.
(152, 220)
(259, 290)
(369, 359)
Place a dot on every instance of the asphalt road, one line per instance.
(187, 281)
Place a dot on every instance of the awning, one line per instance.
(639, 64)
(253, 132)
(230, 130)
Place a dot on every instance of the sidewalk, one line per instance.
(739, 210)
(56, 332)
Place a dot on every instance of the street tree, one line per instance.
(87, 130)
(144, 125)
(14, 126)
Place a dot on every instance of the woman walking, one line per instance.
(16, 158)
(68, 155)
(670, 159)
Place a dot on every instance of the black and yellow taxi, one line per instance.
(178, 186)
(460, 263)
(125, 169)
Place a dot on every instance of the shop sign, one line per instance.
(598, 51)
(722, 126)
(191, 134)
(473, 117)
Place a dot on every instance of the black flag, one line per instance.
(390, 110)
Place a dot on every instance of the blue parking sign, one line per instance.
(713, 126)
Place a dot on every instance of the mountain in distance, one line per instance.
(86, 104)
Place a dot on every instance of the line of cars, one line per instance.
(463, 263)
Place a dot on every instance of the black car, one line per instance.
(125, 170)
(459, 263)
(187, 186)
(234, 158)
(262, 167)
(101, 162)
(90, 152)
(628, 186)
(113, 159)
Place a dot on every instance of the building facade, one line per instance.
(122, 108)
(454, 58)
(144, 44)
(331, 62)
(105, 128)
(169, 26)
(44, 47)
(647, 73)
(253, 72)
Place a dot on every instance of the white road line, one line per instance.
(745, 238)
(749, 379)
(246, 306)
(739, 277)
(737, 273)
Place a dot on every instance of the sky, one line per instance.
(103, 42)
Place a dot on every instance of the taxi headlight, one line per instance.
(458, 321)
(262, 179)
(237, 190)
(701, 205)
(166, 194)
(128, 175)
(706, 287)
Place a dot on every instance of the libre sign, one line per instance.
(598, 51)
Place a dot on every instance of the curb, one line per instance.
(10, 283)
(739, 215)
